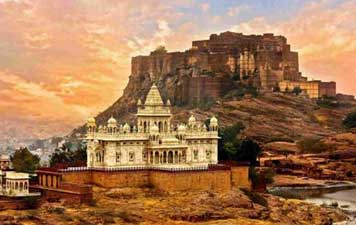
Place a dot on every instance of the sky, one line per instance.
(62, 61)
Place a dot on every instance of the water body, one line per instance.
(340, 196)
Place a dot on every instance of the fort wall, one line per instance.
(203, 88)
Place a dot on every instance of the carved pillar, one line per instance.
(54, 181)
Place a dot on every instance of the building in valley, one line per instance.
(4, 162)
(154, 142)
(13, 184)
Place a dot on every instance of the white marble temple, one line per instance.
(154, 141)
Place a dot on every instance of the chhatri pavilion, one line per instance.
(154, 142)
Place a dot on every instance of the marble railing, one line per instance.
(172, 168)
(191, 134)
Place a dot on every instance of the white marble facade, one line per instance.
(153, 142)
(14, 184)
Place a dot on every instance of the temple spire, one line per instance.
(154, 97)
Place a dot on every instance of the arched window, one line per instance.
(160, 126)
(170, 157)
(175, 157)
(144, 127)
(165, 157)
(165, 127)
(156, 158)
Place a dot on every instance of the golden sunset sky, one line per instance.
(62, 61)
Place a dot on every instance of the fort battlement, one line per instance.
(210, 68)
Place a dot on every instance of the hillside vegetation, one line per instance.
(266, 118)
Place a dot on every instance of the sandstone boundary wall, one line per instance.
(203, 180)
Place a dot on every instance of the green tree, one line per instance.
(229, 143)
(249, 150)
(64, 155)
(24, 161)
(297, 90)
(61, 155)
(160, 49)
(350, 120)
(232, 148)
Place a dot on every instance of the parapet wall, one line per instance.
(195, 180)
(120, 179)
(201, 180)
(239, 177)
(82, 177)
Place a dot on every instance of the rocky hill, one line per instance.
(149, 206)
(226, 76)
(267, 117)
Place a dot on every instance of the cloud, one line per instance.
(235, 11)
(39, 41)
(62, 61)
(205, 7)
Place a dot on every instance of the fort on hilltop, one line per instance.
(211, 67)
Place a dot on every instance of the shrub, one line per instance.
(31, 201)
(236, 76)
(255, 177)
(350, 120)
(313, 145)
(269, 176)
(276, 88)
(255, 197)
(297, 90)
(57, 210)
(349, 173)
(241, 91)
(92, 203)
(327, 102)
